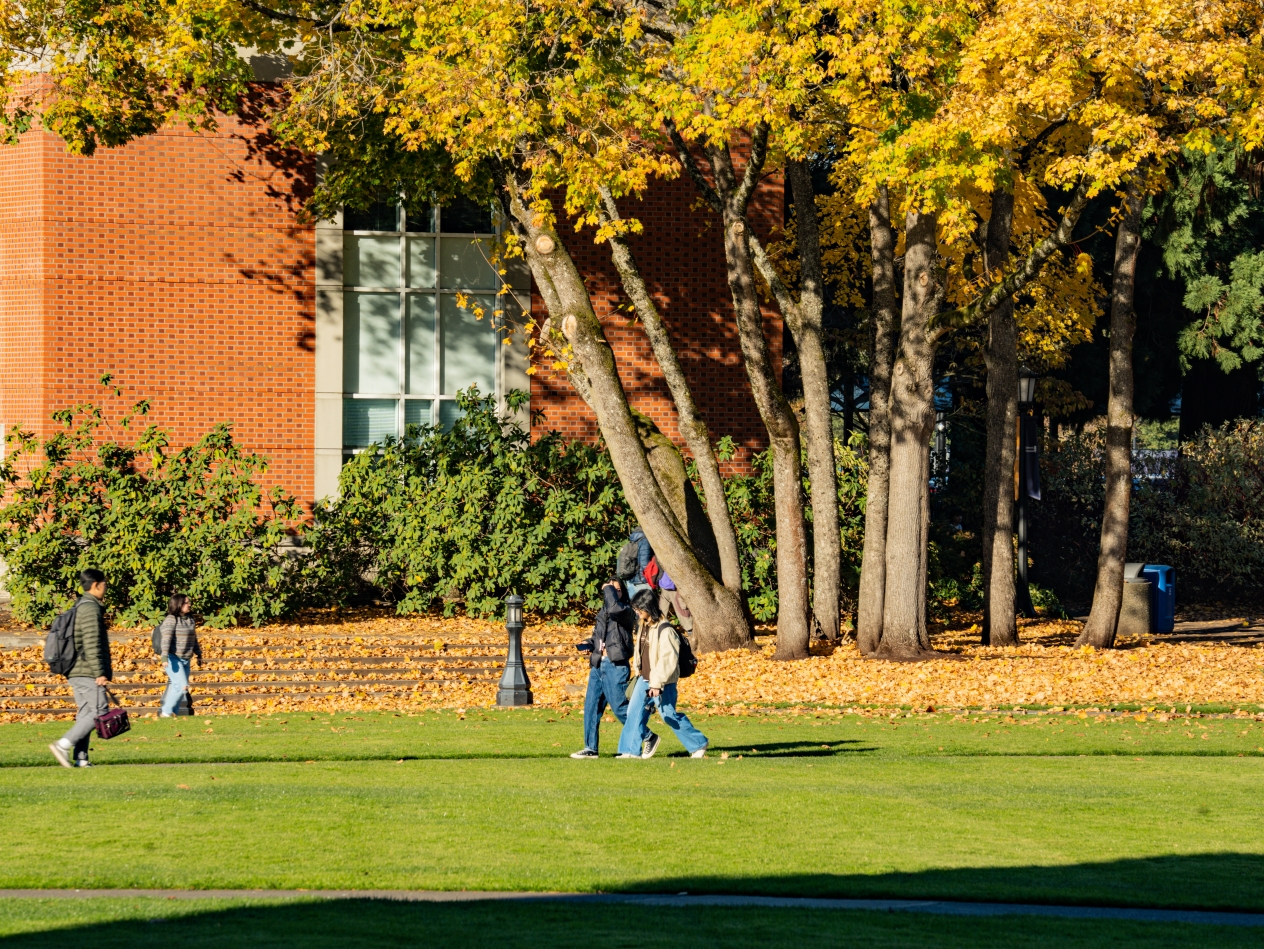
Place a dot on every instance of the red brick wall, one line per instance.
(176, 263)
(682, 259)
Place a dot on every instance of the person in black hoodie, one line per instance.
(609, 657)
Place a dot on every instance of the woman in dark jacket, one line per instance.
(609, 655)
(179, 645)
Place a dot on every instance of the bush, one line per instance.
(1206, 519)
(752, 507)
(440, 520)
(192, 521)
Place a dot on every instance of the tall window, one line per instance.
(408, 348)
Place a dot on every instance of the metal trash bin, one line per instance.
(1162, 596)
(1134, 611)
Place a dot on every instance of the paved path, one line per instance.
(939, 907)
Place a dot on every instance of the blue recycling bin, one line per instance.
(1162, 595)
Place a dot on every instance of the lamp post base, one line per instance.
(512, 698)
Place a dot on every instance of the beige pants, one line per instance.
(671, 600)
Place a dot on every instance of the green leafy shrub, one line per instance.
(753, 510)
(1206, 519)
(441, 520)
(156, 521)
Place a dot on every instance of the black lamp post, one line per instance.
(1026, 397)
(515, 687)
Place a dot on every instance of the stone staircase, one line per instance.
(263, 668)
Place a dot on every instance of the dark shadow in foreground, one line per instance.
(377, 924)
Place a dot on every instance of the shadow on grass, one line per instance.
(791, 749)
(109, 923)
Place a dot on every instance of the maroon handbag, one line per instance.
(113, 722)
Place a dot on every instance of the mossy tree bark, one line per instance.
(692, 426)
(729, 196)
(805, 317)
(719, 616)
(1108, 593)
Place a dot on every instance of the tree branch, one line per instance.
(785, 299)
(1025, 273)
(754, 165)
(709, 194)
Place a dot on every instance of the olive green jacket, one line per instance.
(92, 644)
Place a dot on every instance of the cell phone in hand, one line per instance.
(585, 646)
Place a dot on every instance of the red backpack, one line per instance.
(652, 572)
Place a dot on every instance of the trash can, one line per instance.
(1162, 596)
(1134, 611)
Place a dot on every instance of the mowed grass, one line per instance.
(530, 733)
(218, 924)
(1068, 811)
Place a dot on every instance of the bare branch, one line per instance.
(709, 194)
(754, 165)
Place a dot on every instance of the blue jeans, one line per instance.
(177, 670)
(639, 709)
(607, 685)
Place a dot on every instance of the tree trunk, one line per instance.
(912, 422)
(793, 630)
(807, 330)
(1000, 627)
(1108, 594)
(720, 621)
(873, 565)
(692, 426)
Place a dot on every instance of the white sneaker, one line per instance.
(583, 755)
(650, 745)
(83, 763)
(59, 753)
(166, 715)
(700, 753)
(637, 757)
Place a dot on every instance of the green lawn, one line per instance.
(218, 924)
(802, 806)
(548, 734)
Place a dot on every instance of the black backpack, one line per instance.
(688, 661)
(59, 647)
(629, 561)
(157, 640)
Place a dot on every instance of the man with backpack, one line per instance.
(634, 557)
(90, 671)
(609, 657)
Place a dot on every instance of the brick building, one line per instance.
(178, 263)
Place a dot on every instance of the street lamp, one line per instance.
(515, 687)
(1026, 443)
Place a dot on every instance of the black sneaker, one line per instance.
(586, 753)
(649, 746)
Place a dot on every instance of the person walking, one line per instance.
(670, 600)
(657, 652)
(91, 671)
(179, 645)
(644, 553)
(609, 657)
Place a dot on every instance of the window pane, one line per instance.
(421, 269)
(449, 412)
(420, 218)
(416, 412)
(468, 350)
(370, 348)
(366, 421)
(463, 216)
(378, 217)
(370, 261)
(421, 344)
(465, 266)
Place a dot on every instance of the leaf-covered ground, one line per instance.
(373, 661)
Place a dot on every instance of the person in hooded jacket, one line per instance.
(609, 657)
